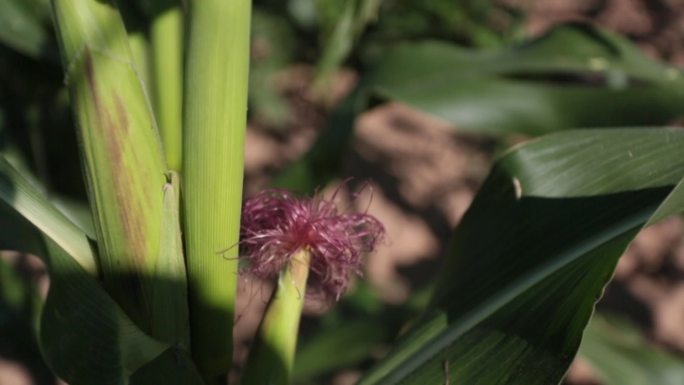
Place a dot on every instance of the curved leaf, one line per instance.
(77, 212)
(85, 336)
(532, 256)
(20, 197)
(349, 26)
(174, 367)
(552, 83)
(23, 27)
(621, 356)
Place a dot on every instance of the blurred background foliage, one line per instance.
(471, 63)
(323, 33)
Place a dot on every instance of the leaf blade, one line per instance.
(121, 149)
(528, 253)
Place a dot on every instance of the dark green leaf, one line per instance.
(575, 76)
(174, 367)
(85, 336)
(552, 83)
(350, 23)
(23, 27)
(532, 256)
(620, 355)
(356, 329)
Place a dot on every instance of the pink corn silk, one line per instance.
(276, 224)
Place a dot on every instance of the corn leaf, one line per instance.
(85, 336)
(533, 254)
(124, 164)
(618, 352)
(174, 367)
(24, 27)
(615, 349)
(352, 21)
(23, 201)
(552, 83)
(170, 317)
(353, 340)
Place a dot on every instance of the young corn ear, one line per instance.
(215, 109)
(121, 151)
(292, 238)
(273, 351)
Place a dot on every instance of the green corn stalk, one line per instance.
(215, 104)
(272, 356)
(122, 157)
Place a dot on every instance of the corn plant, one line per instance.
(146, 296)
(169, 297)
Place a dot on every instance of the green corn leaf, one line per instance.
(353, 342)
(356, 330)
(673, 203)
(533, 254)
(85, 336)
(616, 350)
(273, 32)
(351, 22)
(170, 317)
(620, 355)
(548, 84)
(36, 215)
(174, 367)
(321, 163)
(24, 27)
(124, 164)
(76, 211)
(79, 315)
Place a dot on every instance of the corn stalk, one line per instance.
(217, 60)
